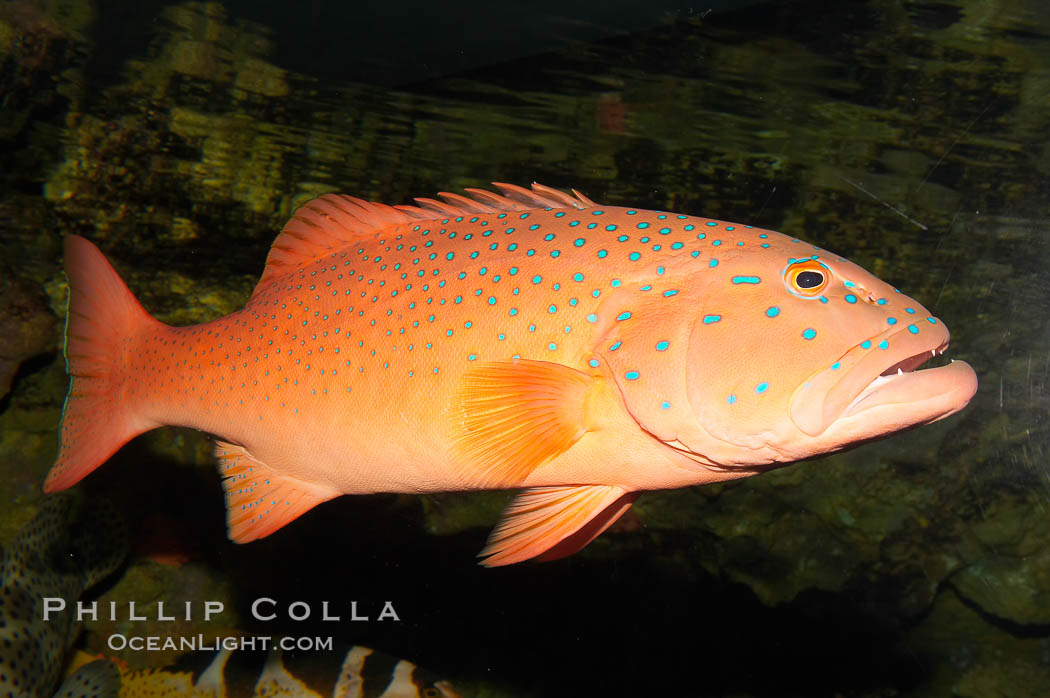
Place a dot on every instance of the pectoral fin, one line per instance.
(517, 415)
(258, 500)
(553, 522)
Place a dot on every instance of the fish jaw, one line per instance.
(877, 388)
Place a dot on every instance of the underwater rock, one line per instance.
(188, 142)
(447, 513)
(28, 328)
(38, 41)
(1015, 589)
(964, 655)
(150, 583)
(1007, 677)
(858, 521)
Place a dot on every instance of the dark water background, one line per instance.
(911, 137)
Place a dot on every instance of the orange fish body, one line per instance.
(525, 340)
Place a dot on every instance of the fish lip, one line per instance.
(847, 387)
(880, 409)
(895, 372)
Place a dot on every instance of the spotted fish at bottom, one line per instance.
(356, 672)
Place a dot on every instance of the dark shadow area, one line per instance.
(622, 621)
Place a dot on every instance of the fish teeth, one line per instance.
(900, 372)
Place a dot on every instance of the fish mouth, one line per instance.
(878, 387)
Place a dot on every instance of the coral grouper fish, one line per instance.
(527, 339)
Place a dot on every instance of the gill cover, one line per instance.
(643, 342)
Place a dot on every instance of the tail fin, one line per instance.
(102, 314)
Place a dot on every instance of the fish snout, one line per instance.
(850, 384)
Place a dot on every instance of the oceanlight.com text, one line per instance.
(192, 643)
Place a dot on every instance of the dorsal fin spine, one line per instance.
(333, 221)
(464, 203)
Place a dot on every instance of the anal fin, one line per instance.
(258, 500)
(552, 522)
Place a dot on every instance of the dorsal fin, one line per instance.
(323, 225)
(462, 202)
(333, 221)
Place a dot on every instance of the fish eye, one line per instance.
(806, 278)
(809, 279)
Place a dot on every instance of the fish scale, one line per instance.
(523, 339)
